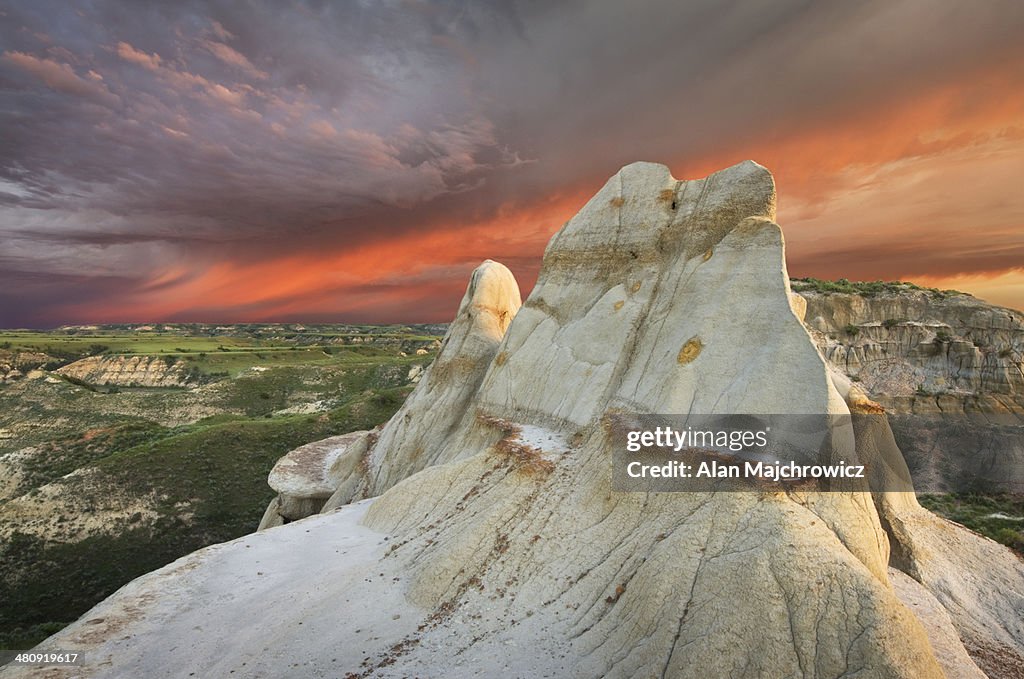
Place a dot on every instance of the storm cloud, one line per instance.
(352, 161)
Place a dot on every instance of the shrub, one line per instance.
(1010, 538)
(852, 330)
(943, 337)
(78, 383)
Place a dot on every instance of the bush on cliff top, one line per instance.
(865, 288)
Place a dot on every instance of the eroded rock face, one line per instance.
(942, 634)
(915, 343)
(498, 524)
(326, 475)
(948, 368)
(15, 365)
(666, 297)
(128, 371)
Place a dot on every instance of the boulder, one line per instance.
(307, 476)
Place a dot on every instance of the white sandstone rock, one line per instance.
(307, 476)
(416, 436)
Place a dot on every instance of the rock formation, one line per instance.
(128, 371)
(948, 368)
(364, 464)
(306, 477)
(14, 365)
(918, 351)
(495, 544)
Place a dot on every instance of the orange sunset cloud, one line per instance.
(279, 172)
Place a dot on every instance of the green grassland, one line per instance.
(215, 349)
(211, 481)
(999, 517)
(85, 344)
(195, 457)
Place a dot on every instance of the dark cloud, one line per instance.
(140, 138)
(906, 259)
(28, 298)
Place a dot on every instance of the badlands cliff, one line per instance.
(129, 371)
(15, 365)
(918, 351)
(948, 368)
(477, 533)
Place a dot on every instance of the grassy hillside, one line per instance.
(99, 485)
(999, 517)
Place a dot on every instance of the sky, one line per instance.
(354, 161)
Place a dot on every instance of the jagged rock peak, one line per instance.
(649, 264)
(643, 213)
